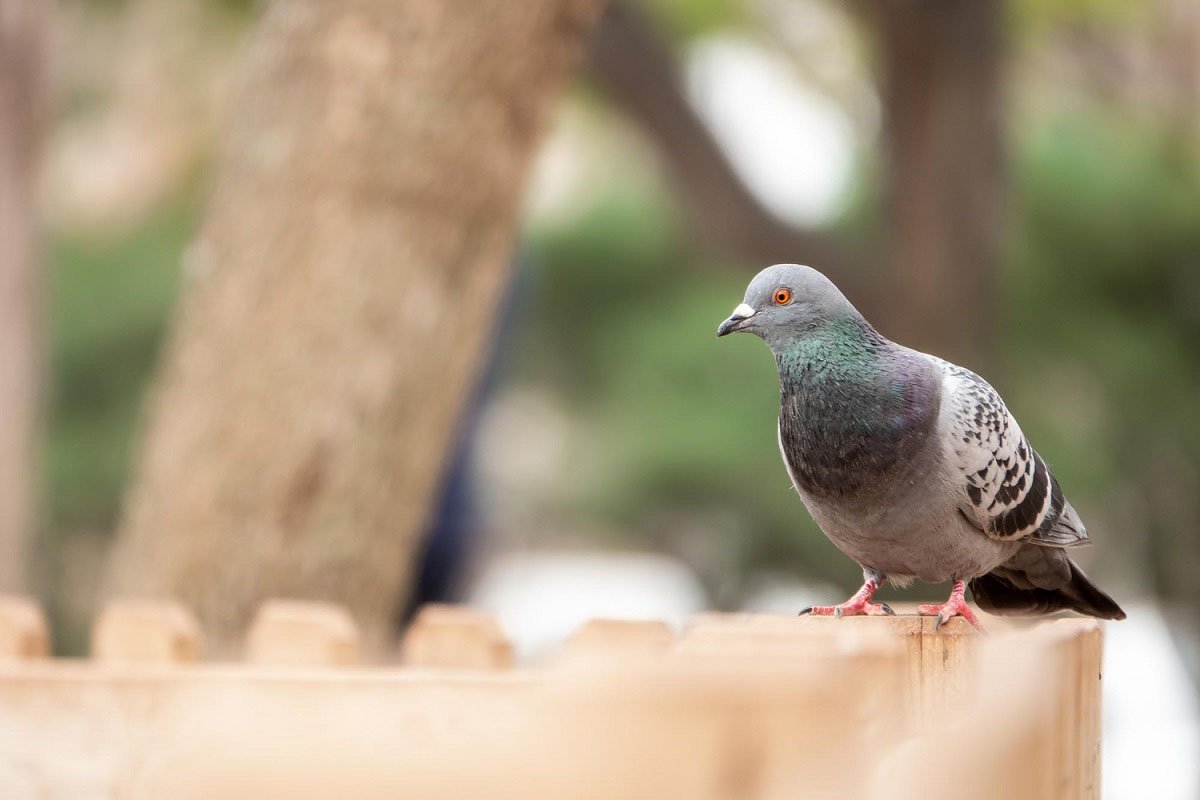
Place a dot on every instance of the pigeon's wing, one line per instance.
(1007, 490)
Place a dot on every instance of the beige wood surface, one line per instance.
(23, 633)
(143, 632)
(287, 632)
(737, 707)
(601, 641)
(451, 637)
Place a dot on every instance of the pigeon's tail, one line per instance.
(1012, 590)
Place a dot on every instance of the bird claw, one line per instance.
(956, 606)
(850, 608)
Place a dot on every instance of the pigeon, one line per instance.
(912, 466)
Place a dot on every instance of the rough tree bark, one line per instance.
(337, 300)
(22, 39)
(940, 67)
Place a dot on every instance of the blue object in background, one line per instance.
(453, 536)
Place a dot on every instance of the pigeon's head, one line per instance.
(786, 301)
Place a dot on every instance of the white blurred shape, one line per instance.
(522, 443)
(542, 598)
(788, 596)
(792, 146)
(1151, 725)
(587, 155)
(826, 43)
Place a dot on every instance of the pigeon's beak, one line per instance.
(740, 314)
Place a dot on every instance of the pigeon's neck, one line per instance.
(853, 407)
(845, 349)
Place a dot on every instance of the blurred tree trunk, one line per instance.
(22, 39)
(940, 65)
(338, 300)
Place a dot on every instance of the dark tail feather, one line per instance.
(998, 594)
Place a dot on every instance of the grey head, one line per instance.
(786, 302)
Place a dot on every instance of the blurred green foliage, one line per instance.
(1036, 17)
(686, 19)
(1103, 345)
(109, 300)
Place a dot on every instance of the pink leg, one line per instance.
(858, 605)
(956, 606)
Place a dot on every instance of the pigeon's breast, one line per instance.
(846, 436)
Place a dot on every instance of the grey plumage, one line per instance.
(912, 466)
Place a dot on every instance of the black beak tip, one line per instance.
(728, 326)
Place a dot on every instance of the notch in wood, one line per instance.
(145, 632)
(454, 637)
(23, 632)
(297, 634)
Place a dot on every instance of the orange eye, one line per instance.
(783, 296)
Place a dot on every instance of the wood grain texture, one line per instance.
(754, 707)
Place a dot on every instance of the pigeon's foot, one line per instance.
(850, 608)
(859, 605)
(956, 606)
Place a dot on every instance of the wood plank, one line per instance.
(455, 637)
(292, 633)
(600, 641)
(748, 706)
(1025, 725)
(145, 632)
(23, 633)
(71, 730)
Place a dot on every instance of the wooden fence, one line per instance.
(732, 707)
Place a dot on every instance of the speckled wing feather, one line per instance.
(1008, 491)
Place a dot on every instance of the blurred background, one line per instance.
(1012, 185)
